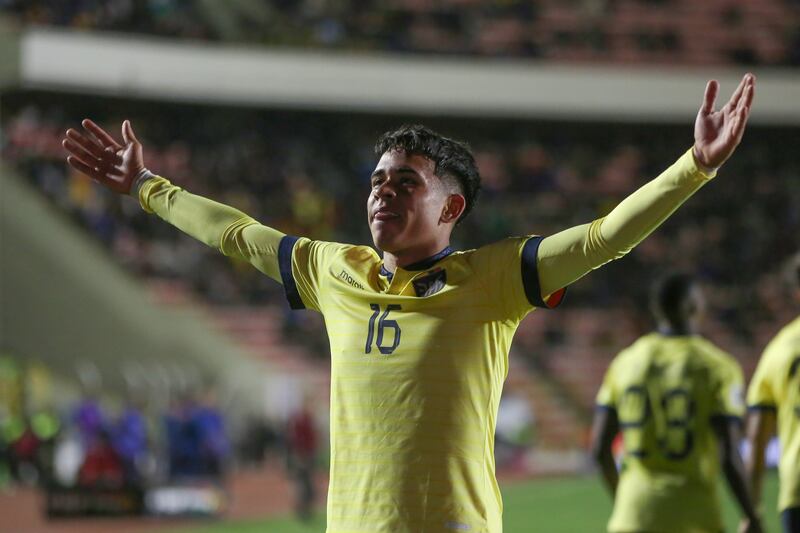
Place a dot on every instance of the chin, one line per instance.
(385, 243)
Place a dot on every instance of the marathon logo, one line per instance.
(350, 280)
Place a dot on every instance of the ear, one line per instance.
(455, 205)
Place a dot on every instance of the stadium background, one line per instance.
(273, 107)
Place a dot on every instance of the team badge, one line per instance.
(430, 284)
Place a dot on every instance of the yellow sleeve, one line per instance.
(230, 231)
(728, 400)
(761, 393)
(606, 396)
(508, 269)
(304, 264)
(572, 253)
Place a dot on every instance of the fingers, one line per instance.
(712, 88)
(742, 111)
(89, 152)
(81, 145)
(747, 80)
(82, 167)
(127, 132)
(746, 101)
(111, 177)
(102, 136)
(739, 122)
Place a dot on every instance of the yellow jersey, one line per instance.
(418, 361)
(776, 385)
(419, 357)
(665, 391)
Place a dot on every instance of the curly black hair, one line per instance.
(452, 159)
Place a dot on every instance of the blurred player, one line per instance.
(420, 336)
(678, 401)
(774, 396)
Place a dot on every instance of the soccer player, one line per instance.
(774, 396)
(678, 401)
(419, 336)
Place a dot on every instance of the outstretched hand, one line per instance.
(717, 133)
(98, 155)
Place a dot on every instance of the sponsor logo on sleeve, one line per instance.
(349, 279)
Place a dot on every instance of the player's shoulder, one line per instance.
(786, 340)
(637, 350)
(357, 252)
(709, 349)
(498, 252)
(717, 360)
(350, 252)
(502, 245)
(645, 343)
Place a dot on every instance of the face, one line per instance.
(406, 203)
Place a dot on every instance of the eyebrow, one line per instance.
(404, 170)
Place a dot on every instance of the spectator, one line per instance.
(302, 449)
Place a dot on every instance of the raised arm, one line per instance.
(570, 254)
(120, 167)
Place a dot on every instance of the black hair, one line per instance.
(452, 159)
(669, 296)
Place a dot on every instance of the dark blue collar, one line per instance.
(420, 265)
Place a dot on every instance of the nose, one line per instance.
(385, 190)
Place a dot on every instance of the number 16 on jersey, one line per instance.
(383, 323)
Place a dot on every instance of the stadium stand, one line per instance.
(303, 165)
(531, 173)
(718, 32)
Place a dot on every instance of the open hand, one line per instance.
(96, 154)
(717, 133)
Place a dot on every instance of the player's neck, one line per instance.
(402, 259)
(676, 330)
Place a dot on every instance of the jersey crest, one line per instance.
(430, 284)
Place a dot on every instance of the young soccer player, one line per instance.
(677, 399)
(774, 396)
(419, 335)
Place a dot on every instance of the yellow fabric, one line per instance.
(776, 384)
(217, 225)
(412, 429)
(570, 254)
(414, 388)
(665, 391)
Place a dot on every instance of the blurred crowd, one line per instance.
(307, 174)
(91, 439)
(764, 32)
